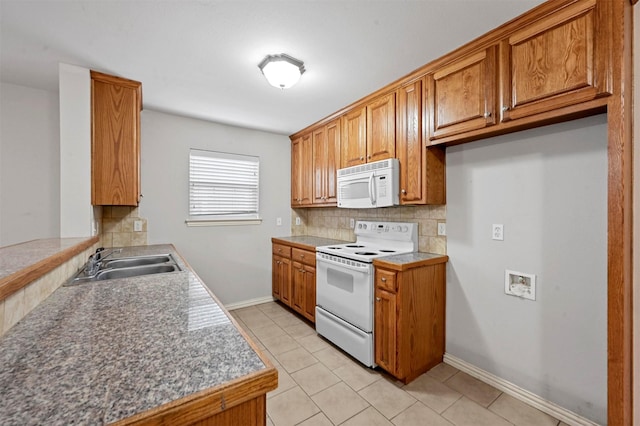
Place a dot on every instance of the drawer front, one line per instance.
(386, 280)
(282, 250)
(304, 256)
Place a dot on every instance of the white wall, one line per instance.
(76, 212)
(234, 261)
(548, 187)
(29, 166)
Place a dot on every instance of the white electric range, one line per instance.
(344, 283)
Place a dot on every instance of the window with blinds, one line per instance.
(223, 186)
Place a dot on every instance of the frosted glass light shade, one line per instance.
(281, 71)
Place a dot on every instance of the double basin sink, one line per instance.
(126, 267)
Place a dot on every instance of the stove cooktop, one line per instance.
(377, 239)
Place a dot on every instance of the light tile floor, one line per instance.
(320, 385)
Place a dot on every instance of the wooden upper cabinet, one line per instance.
(554, 62)
(353, 148)
(381, 128)
(326, 161)
(115, 140)
(301, 171)
(461, 95)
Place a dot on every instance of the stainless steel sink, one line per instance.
(127, 262)
(126, 267)
(109, 274)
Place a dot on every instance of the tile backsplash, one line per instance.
(118, 227)
(334, 223)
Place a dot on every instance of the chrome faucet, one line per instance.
(93, 264)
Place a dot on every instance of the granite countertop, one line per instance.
(99, 352)
(310, 241)
(17, 257)
(410, 260)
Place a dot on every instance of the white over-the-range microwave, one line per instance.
(369, 185)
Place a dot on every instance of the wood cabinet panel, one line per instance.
(552, 63)
(409, 319)
(381, 128)
(115, 140)
(353, 149)
(326, 161)
(281, 278)
(301, 171)
(298, 287)
(309, 311)
(385, 329)
(461, 96)
(293, 279)
(304, 256)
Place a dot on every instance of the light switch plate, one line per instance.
(137, 226)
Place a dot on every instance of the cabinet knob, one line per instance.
(303, 271)
(487, 114)
(369, 157)
(377, 299)
(506, 108)
(361, 158)
(404, 191)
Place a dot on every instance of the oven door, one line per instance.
(345, 288)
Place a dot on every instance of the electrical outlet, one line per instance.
(137, 226)
(297, 221)
(442, 228)
(497, 231)
(279, 221)
(352, 223)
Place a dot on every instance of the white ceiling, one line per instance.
(199, 58)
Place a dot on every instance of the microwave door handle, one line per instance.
(372, 189)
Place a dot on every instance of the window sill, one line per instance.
(223, 222)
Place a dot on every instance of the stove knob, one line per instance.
(364, 225)
(405, 228)
(359, 226)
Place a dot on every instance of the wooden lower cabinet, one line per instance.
(409, 319)
(293, 279)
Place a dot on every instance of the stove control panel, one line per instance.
(393, 230)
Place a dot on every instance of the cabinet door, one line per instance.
(385, 330)
(326, 159)
(409, 148)
(381, 128)
(354, 138)
(285, 280)
(552, 63)
(333, 161)
(461, 95)
(301, 171)
(298, 287)
(310, 293)
(115, 140)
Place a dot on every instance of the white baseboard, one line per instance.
(247, 303)
(567, 416)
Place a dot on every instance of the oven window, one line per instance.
(339, 279)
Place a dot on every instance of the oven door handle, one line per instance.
(372, 189)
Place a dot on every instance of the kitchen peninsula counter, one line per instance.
(154, 348)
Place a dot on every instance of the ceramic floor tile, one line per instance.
(318, 420)
(332, 358)
(465, 412)
(279, 344)
(368, 417)
(315, 378)
(473, 388)
(287, 320)
(419, 414)
(291, 407)
(296, 359)
(432, 393)
(273, 309)
(357, 376)
(268, 332)
(313, 343)
(339, 402)
(285, 382)
(387, 398)
(300, 330)
(255, 319)
(442, 372)
(519, 413)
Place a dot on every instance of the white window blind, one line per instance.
(223, 186)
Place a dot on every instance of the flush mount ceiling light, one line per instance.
(281, 71)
